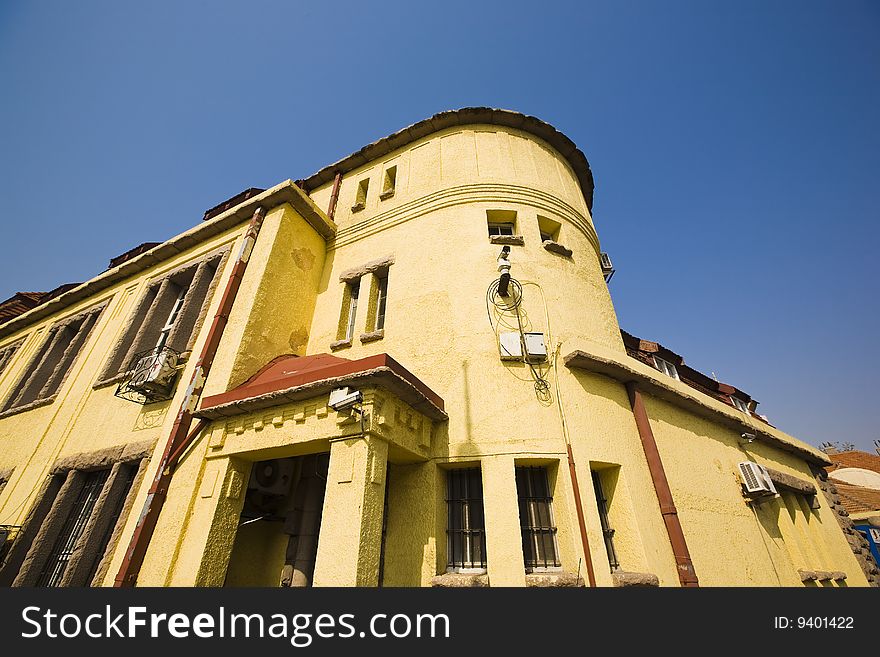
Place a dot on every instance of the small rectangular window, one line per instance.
(360, 201)
(389, 182)
(607, 530)
(501, 222)
(353, 293)
(465, 527)
(536, 518)
(381, 297)
(739, 404)
(666, 367)
(500, 229)
(548, 229)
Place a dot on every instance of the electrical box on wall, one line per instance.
(536, 350)
(510, 345)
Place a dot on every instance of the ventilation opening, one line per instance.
(549, 229)
(389, 182)
(360, 201)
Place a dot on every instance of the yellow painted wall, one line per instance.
(434, 228)
(83, 418)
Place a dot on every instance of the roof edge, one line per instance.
(691, 400)
(464, 116)
(284, 192)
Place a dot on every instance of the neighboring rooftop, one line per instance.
(645, 351)
(853, 459)
(21, 302)
(230, 203)
(132, 253)
(858, 499)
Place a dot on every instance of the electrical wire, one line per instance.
(512, 304)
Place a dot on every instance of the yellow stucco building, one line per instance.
(404, 370)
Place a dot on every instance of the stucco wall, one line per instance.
(434, 230)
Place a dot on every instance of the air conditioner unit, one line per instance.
(154, 373)
(272, 477)
(607, 267)
(756, 480)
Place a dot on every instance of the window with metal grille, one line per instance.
(49, 367)
(53, 570)
(536, 518)
(466, 527)
(607, 531)
(130, 473)
(167, 315)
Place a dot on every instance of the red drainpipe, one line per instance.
(180, 435)
(686, 573)
(334, 196)
(580, 514)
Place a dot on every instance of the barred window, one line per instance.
(536, 518)
(49, 367)
(167, 315)
(466, 527)
(73, 528)
(67, 535)
(607, 531)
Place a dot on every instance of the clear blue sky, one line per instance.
(735, 147)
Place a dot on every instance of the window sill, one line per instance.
(103, 383)
(340, 344)
(460, 581)
(386, 195)
(821, 575)
(555, 247)
(357, 207)
(553, 579)
(28, 407)
(623, 578)
(372, 336)
(512, 240)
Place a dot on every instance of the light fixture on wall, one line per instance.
(504, 268)
(342, 399)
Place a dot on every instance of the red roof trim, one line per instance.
(322, 367)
